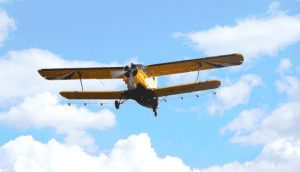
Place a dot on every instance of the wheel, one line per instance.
(117, 104)
(155, 112)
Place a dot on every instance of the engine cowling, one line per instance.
(130, 70)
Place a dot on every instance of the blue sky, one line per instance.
(254, 113)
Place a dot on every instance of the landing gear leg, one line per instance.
(155, 112)
(117, 104)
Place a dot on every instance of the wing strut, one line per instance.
(199, 64)
(79, 74)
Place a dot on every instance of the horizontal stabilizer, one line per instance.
(92, 94)
(187, 88)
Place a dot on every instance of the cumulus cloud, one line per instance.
(285, 65)
(265, 127)
(44, 110)
(132, 154)
(28, 100)
(247, 121)
(234, 94)
(254, 37)
(288, 84)
(6, 25)
(277, 156)
(280, 123)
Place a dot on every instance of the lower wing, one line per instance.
(92, 94)
(164, 91)
(186, 88)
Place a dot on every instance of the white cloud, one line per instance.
(247, 121)
(282, 122)
(285, 65)
(277, 156)
(187, 77)
(289, 85)
(133, 154)
(44, 110)
(254, 37)
(6, 25)
(21, 78)
(234, 94)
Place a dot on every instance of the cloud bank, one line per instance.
(132, 154)
(44, 111)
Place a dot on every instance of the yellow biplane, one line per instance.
(141, 79)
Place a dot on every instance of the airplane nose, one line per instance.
(130, 69)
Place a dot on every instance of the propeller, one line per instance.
(129, 71)
(131, 80)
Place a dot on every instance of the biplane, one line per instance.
(141, 80)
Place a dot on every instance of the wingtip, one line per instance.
(217, 83)
(240, 55)
(43, 74)
(40, 71)
(64, 94)
(214, 83)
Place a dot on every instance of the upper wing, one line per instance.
(92, 94)
(187, 88)
(83, 73)
(195, 64)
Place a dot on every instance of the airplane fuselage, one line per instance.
(140, 86)
(143, 96)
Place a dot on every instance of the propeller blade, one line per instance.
(131, 80)
(117, 74)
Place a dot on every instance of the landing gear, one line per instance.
(155, 112)
(117, 104)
